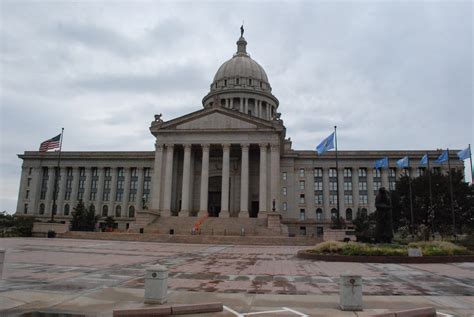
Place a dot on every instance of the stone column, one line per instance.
(327, 209)
(126, 191)
(50, 190)
(22, 192)
(61, 191)
(244, 182)
(75, 186)
(166, 212)
(158, 165)
(35, 191)
(185, 192)
(275, 176)
(204, 180)
(384, 177)
(100, 190)
(241, 105)
(140, 180)
(246, 105)
(113, 191)
(370, 190)
(342, 205)
(87, 187)
(355, 190)
(263, 181)
(225, 181)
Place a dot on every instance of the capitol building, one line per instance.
(231, 159)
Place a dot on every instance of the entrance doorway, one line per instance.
(254, 210)
(214, 196)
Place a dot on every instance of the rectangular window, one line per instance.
(319, 231)
(30, 170)
(302, 199)
(133, 172)
(119, 196)
(94, 184)
(132, 197)
(80, 195)
(133, 184)
(333, 186)
(301, 185)
(363, 199)
(319, 215)
(391, 185)
(377, 172)
(67, 195)
(362, 185)
(318, 199)
(392, 172)
(318, 172)
(283, 176)
(107, 184)
(82, 171)
(318, 186)
(332, 172)
(27, 194)
(285, 206)
(333, 199)
(303, 231)
(120, 172)
(301, 172)
(347, 172)
(405, 172)
(119, 184)
(81, 183)
(377, 185)
(284, 191)
(146, 185)
(348, 199)
(106, 196)
(347, 186)
(28, 182)
(420, 171)
(302, 214)
(147, 172)
(93, 196)
(362, 172)
(94, 171)
(107, 172)
(69, 172)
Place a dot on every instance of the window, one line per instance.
(28, 182)
(303, 231)
(332, 172)
(131, 212)
(318, 172)
(318, 186)
(41, 211)
(405, 172)
(391, 185)
(301, 198)
(120, 172)
(362, 172)
(106, 196)
(284, 191)
(319, 214)
(301, 172)
(69, 172)
(348, 199)
(132, 197)
(25, 209)
(363, 199)
(250, 82)
(30, 170)
(283, 176)
(82, 172)
(333, 213)
(302, 214)
(332, 186)
(107, 172)
(225, 82)
(119, 184)
(93, 196)
(362, 185)
(349, 214)
(80, 195)
(67, 195)
(377, 185)
(27, 194)
(119, 196)
(94, 172)
(105, 211)
(347, 172)
(392, 172)
(301, 185)
(347, 186)
(318, 199)
(237, 81)
(285, 206)
(133, 172)
(319, 231)
(420, 171)
(376, 172)
(118, 211)
(333, 199)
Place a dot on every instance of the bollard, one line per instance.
(156, 284)
(350, 291)
(2, 259)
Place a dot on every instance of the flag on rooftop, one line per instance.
(326, 145)
(424, 160)
(381, 163)
(403, 162)
(50, 144)
(443, 157)
(464, 154)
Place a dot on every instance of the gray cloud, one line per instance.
(390, 74)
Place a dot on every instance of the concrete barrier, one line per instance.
(143, 312)
(416, 312)
(350, 291)
(196, 308)
(156, 285)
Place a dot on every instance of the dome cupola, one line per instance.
(242, 84)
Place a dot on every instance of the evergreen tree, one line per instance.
(83, 219)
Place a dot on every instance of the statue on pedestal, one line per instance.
(383, 216)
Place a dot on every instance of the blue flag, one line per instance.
(403, 162)
(464, 154)
(443, 157)
(326, 145)
(424, 160)
(381, 163)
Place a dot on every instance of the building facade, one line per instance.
(229, 159)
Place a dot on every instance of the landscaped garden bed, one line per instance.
(432, 252)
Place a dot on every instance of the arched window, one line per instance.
(25, 209)
(349, 214)
(41, 209)
(131, 212)
(118, 211)
(319, 214)
(333, 213)
(363, 212)
(105, 211)
(66, 210)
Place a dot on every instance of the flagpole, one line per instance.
(337, 173)
(430, 208)
(472, 169)
(408, 172)
(54, 207)
(451, 193)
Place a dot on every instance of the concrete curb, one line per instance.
(172, 310)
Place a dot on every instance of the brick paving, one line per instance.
(67, 266)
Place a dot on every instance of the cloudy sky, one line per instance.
(390, 74)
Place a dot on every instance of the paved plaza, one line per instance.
(57, 272)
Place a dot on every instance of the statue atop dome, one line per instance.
(242, 30)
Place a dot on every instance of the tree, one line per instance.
(364, 226)
(109, 223)
(438, 218)
(83, 219)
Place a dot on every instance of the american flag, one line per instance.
(50, 144)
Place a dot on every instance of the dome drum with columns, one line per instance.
(227, 159)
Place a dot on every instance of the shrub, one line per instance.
(24, 226)
(439, 248)
(329, 247)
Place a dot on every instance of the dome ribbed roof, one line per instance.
(241, 66)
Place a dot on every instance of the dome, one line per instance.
(241, 66)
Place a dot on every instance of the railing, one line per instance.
(197, 225)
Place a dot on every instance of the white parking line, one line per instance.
(283, 310)
(444, 314)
